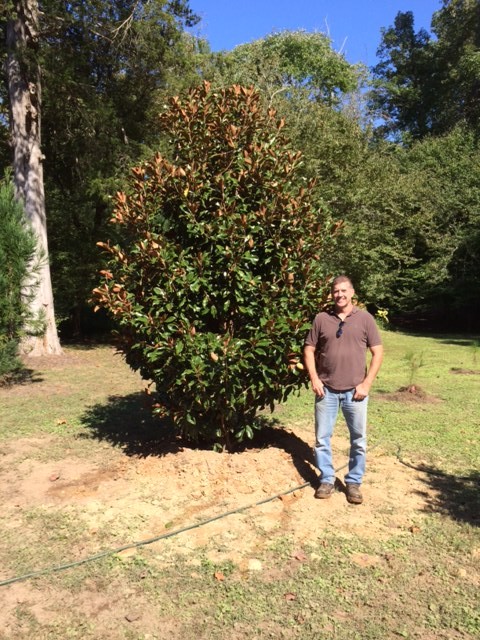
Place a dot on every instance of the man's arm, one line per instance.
(309, 359)
(362, 390)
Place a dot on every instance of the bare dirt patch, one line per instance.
(136, 499)
(147, 497)
(227, 507)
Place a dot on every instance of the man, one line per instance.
(335, 358)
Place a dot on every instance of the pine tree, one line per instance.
(17, 249)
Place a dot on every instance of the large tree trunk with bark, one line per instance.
(24, 86)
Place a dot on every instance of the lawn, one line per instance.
(113, 529)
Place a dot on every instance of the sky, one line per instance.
(352, 25)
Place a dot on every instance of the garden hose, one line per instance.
(142, 543)
(170, 534)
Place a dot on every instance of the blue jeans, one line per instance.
(355, 414)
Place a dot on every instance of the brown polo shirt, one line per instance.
(341, 362)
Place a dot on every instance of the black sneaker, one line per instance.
(324, 490)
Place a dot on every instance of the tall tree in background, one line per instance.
(426, 85)
(287, 62)
(402, 96)
(318, 93)
(24, 89)
(427, 90)
(118, 60)
(106, 66)
(457, 49)
(438, 188)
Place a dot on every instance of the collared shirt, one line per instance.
(340, 357)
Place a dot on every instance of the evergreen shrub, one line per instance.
(219, 272)
(17, 250)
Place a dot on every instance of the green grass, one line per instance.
(441, 430)
(423, 584)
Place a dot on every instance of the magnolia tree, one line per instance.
(218, 273)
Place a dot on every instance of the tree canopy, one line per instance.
(105, 69)
(395, 169)
(287, 61)
(427, 84)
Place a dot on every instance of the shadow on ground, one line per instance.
(457, 497)
(19, 377)
(126, 422)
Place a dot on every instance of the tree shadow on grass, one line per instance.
(459, 342)
(126, 422)
(457, 497)
(19, 377)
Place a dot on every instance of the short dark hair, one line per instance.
(341, 278)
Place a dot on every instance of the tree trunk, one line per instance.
(24, 88)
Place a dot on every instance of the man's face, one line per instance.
(342, 294)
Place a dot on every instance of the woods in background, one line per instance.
(393, 150)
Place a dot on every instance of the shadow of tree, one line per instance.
(460, 342)
(457, 497)
(88, 344)
(126, 422)
(21, 376)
